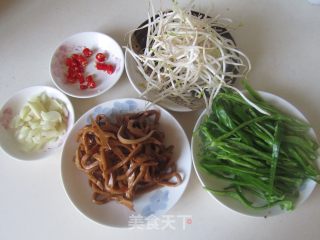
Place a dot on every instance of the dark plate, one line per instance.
(140, 37)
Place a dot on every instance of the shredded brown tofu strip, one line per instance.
(125, 158)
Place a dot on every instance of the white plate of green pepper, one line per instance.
(254, 163)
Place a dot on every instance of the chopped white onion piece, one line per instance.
(52, 116)
(40, 122)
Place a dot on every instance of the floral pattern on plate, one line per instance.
(119, 107)
(157, 201)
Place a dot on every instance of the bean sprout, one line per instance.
(186, 57)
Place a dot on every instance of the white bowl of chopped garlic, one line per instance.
(34, 122)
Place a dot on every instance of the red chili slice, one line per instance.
(80, 78)
(77, 63)
(72, 73)
(105, 67)
(100, 66)
(71, 77)
(87, 52)
(76, 69)
(92, 84)
(83, 87)
(100, 57)
(69, 62)
(110, 69)
(82, 60)
(89, 78)
(74, 63)
(75, 56)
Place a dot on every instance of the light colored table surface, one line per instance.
(282, 39)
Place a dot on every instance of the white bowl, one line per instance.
(156, 202)
(13, 106)
(208, 180)
(98, 42)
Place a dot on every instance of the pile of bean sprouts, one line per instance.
(185, 58)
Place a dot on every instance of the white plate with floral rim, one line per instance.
(154, 203)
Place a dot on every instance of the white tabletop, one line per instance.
(282, 39)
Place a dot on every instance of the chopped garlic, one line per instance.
(40, 122)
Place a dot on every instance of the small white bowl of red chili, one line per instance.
(87, 64)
